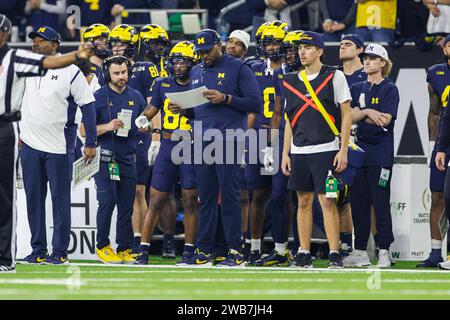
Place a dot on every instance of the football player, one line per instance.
(271, 185)
(165, 172)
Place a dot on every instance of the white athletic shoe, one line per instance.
(383, 259)
(445, 265)
(357, 258)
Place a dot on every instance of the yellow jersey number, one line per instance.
(266, 96)
(94, 5)
(172, 121)
(445, 96)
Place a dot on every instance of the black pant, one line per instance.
(8, 215)
(364, 193)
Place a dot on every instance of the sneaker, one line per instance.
(33, 259)
(7, 269)
(168, 250)
(56, 260)
(234, 259)
(335, 261)
(186, 259)
(107, 255)
(201, 259)
(141, 258)
(383, 259)
(246, 250)
(431, 262)
(126, 256)
(445, 265)
(302, 260)
(219, 259)
(254, 256)
(357, 258)
(274, 258)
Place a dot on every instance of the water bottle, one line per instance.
(28, 30)
(15, 34)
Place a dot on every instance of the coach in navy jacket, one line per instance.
(233, 92)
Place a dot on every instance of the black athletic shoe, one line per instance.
(302, 260)
(335, 261)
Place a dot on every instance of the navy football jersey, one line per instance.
(159, 89)
(438, 77)
(267, 91)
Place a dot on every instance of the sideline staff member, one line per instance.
(375, 104)
(15, 66)
(116, 180)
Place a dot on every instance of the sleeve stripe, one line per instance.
(20, 68)
(74, 77)
(28, 54)
(29, 61)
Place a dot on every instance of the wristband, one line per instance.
(157, 131)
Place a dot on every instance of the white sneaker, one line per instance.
(383, 259)
(357, 258)
(445, 265)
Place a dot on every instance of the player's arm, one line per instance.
(276, 119)
(84, 51)
(285, 158)
(433, 115)
(251, 120)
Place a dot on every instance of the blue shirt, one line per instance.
(97, 70)
(232, 76)
(357, 76)
(143, 75)
(124, 148)
(377, 143)
(170, 121)
(98, 11)
(438, 76)
(267, 91)
(278, 84)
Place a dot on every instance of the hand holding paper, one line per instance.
(188, 99)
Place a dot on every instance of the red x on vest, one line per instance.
(308, 102)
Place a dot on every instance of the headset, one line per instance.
(116, 60)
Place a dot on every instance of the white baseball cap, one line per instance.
(242, 36)
(375, 49)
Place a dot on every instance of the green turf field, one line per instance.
(163, 281)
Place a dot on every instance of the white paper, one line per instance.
(188, 99)
(82, 172)
(125, 115)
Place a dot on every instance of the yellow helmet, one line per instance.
(274, 32)
(292, 38)
(124, 33)
(291, 41)
(154, 34)
(185, 51)
(94, 31)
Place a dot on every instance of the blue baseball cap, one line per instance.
(206, 39)
(447, 39)
(355, 38)
(312, 38)
(47, 33)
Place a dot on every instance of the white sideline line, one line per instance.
(295, 270)
(173, 293)
(125, 282)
